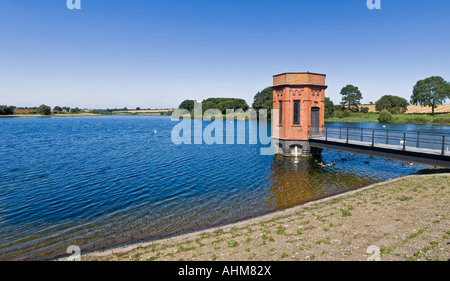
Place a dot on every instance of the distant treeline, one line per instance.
(47, 110)
(221, 104)
(6, 110)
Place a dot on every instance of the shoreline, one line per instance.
(221, 242)
(329, 120)
(79, 115)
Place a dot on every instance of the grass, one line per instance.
(356, 117)
(404, 198)
(346, 213)
(281, 229)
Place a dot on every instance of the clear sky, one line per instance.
(156, 53)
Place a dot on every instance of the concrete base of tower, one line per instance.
(295, 148)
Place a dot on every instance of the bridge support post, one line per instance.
(418, 139)
(404, 141)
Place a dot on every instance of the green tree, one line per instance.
(230, 103)
(385, 117)
(75, 110)
(44, 110)
(329, 108)
(187, 104)
(6, 110)
(393, 104)
(431, 91)
(264, 100)
(208, 105)
(351, 96)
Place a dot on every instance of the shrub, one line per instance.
(75, 110)
(440, 120)
(385, 117)
(364, 110)
(44, 110)
(6, 110)
(346, 113)
(393, 104)
(343, 114)
(416, 120)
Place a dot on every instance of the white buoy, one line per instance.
(154, 131)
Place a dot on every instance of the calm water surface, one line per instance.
(103, 181)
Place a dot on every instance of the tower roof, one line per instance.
(299, 79)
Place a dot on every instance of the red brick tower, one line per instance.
(300, 99)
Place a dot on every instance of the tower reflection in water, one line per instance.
(296, 180)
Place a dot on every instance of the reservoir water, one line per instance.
(98, 182)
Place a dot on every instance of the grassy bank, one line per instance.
(405, 218)
(372, 117)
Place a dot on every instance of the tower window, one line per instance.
(296, 112)
(281, 113)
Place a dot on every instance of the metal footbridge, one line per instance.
(420, 147)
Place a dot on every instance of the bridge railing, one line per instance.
(406, 140)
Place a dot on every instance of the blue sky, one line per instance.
(158, 53)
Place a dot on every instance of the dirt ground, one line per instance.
(403, 219)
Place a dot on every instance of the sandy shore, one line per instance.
(405, 218)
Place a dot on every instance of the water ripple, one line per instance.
(102, 181)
